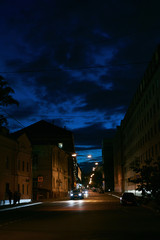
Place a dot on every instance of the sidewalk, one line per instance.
(7, 206)
(15, 206)
(152, 205)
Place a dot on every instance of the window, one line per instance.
(7, 163)
(152, 151)
(27, 189)
(156, 149)
(158, 103)
(151, 113)
(159, 125)
(153, 89)
(53, 182)
(23, 166)
(154, 108)
(7, 187)
(19, 165)
(148, 135)
(22, 188)
(147, 116)
(145, 137)
(35, 161)
(155, 128)
(27, 167)
(18, 187)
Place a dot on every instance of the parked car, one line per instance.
(76, 194)
(128, 198)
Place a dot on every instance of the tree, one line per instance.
(97, 179)
(5, 98)
(148, 175)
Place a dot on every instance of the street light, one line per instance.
(74, 155)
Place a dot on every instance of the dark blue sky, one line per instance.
(77, 63)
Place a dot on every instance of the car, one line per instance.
(76, 194)
(85, 193)
(128, 198)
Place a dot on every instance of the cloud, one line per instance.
(96, 133)
(77, 62)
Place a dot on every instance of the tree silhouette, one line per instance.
(148, 175)
(98, 177)
(5, 98)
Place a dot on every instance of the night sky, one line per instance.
(76, 63)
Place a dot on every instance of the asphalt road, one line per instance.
(99, 216)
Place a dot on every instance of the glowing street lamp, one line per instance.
(74, 155)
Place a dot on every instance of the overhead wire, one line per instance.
(74, 68)
(11, 116)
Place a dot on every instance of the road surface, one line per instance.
(100, 216)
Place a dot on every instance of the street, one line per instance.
(100, 216)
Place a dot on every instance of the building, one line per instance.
(139, 133)
(16, 165)
(79, 174)
(54, 172)
(118, 161)
(50, 172)
(108, 166)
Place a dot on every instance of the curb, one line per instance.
(12, 207)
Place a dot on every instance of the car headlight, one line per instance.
(71, 194)
(79, 194)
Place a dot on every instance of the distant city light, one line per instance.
(89, 156)
(96, 163)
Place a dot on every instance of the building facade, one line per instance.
(50, 172)
(139, 138)
(108, 166)
(54, 161)
(16, 166)
(118, 161)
